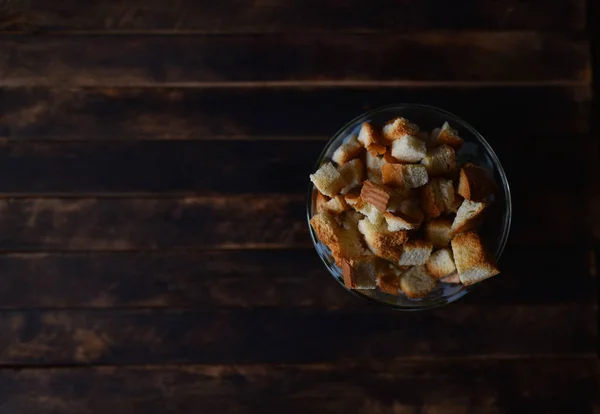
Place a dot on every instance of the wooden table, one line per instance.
(155, 256)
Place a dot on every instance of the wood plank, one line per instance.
(237, 336)
(287, 278)
(180, 113)
(440, 58)
(295, 15)
(273, 221)
(239, 166)
(488, 386)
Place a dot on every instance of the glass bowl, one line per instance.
(494, 230)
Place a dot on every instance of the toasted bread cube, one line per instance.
(374, 164)
(389, 282)
(440, 160)
(472, 262)
(437, 196)
(352, 172)
(404, 175)
(398, 127)
(440, 263)
(320, 201)
(409, 149)
(377, 195)
(360, 273)
(439, 232)
(474, 183)
(451, 278)
(406, 217)
(336, 205)
(328, 180)
(415, 252)
(417, 283)
(350, 149)
(449, 136)
(467, 216)
(367, 209)
(381, 241)
(370, 138)
(343, 243)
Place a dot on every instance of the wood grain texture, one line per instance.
(180, 113)
(283, 279)
(456, 387)
(478, 57)
(274, 221)
(237, 166)
(235, 336)
(295, 15)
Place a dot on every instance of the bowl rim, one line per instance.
(489, 150)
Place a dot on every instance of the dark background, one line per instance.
(154, 253)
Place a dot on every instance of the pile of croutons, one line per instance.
(397, 212)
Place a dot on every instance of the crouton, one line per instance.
(398, 127)
(409, 149)
(367, 209)
(374, 164)
(472, 262)
(467, 216)
(360, 273)
(321, 200)
(382, 242)
(352, 172)
(389, 282)
(437, 196)
(406, 217)
(343, 243)
(404, 175)
(440, 160)
(328, 180)
(439, 232)
(370, 138)
(416, 282)
(350, 149)
(440, 263)
(415, 252)
(474, 183)
(451, 278)
(449, 136)
(377, 195)
(336, 205)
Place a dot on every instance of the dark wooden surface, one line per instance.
(154, 251)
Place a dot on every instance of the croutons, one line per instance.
(440, 160)
(449, 136)
(467, 216)
(377, 195)
(472, 262)
(384, 243)
(398, 127)
(416, 282)
(437, 196)
(474, 183)
(404, 175)
(370, 138)
(352, 172)
(347, 151)
(388, 210)
(439, 232)
(360, 273)
(440, 263)
(415, 252)
(328, 180)
(408, 149)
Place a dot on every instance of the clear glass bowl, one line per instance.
(495, 228)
